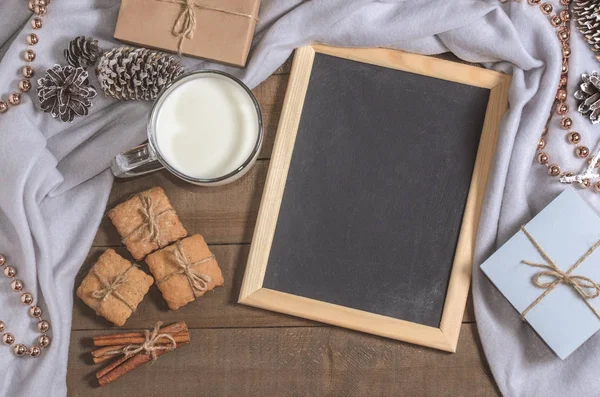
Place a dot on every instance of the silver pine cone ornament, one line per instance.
(83, 51)
(127, 73)
(589, 96)
(587, 17)
(65, 92)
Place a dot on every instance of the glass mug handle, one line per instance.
(139, 160)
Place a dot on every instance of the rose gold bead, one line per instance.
(565, 15)
(44, 341)
(43, 326)
(563, 35)
(3, 107)
(10, 271)
(26, 298)
(41, 3)
(545, 131)
(566, 51)
(566, 123)
(563, 81)
(562, 108)
(24, 85)
(2, 325)
(29, 55)
(574, 137)
(543, 158)
(597, 187)
(40, 10)
(582, 151)
(35, 351)
(565, 2)
(20, 349)
(28, 72)
(2, 259)
(32, 39)
(14, 99)
(554, 170)
(561, 95)
(534, 2)
(546, 8)
(35, 311)
(31, 4)
(565, 68)
(37, 23)
(8, 339)
(584, 184)
(541, 143)
(555, 20)
(16, 285)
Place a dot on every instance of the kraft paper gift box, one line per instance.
(212, 29)
(563, 313)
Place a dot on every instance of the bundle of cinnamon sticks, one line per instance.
(113, 346)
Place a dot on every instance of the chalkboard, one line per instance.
(376, 189)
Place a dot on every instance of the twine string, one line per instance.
(150, 221)
(150, 343)
(198, 281)
(585, 287)
(110, 288)
(185, 24)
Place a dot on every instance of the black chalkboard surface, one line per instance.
(376, 189)
(372, 201)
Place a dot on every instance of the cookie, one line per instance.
(114, 287)
(185, 271)
(147, 222)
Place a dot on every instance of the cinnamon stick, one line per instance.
(111, 366)
(181, 337)
(174, 328)
(124, 366)
(106, 353)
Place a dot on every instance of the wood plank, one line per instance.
(218, 309)
(223, 214)
(293, 362)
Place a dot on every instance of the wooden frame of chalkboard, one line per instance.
(254, 294)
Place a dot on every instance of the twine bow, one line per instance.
(110, 288)
(185, 24)
(198, 281)
(585, 287)
(150, 344)
(150, 221)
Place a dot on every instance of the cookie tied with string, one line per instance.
(185, 271)
(114, 287)
(147, 222)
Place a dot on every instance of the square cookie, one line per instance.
(147, 222)
(114, 287)
(185, 271)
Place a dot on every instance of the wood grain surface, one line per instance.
(241, 351)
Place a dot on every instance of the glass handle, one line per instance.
(139, 160)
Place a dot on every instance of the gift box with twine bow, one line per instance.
(211, 29)
(550, 272)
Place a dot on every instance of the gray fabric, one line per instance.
(54, 184)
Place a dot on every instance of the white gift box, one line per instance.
(562, 307)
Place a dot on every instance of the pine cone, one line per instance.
(64, 92)
(587, 20)
(128, 73)
(83, 51)
(589, 95)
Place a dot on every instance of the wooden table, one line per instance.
(242, 351)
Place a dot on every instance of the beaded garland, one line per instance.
(43, 326)
(39, 8)
(560, 21)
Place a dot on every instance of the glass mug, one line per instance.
(205, 128)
